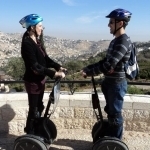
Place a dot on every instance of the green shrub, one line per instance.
(134, 90)
(18, 87)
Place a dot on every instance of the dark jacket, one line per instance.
(32, 54)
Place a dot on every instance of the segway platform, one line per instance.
(109, 143)
(101, 139)
(45, 131)
(28, 142)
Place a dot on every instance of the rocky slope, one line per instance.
(61, 50)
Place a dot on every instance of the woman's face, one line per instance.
(39, 28)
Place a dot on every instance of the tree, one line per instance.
(73, 67)
(15, 68)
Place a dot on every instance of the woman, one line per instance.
(36, 63)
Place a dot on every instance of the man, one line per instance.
(114, 85)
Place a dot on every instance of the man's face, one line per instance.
(111, 25)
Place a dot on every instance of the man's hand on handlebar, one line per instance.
(83, 74)
(63, 69)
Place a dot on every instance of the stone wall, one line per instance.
(73, 112)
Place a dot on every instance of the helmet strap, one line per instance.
(115, 27)
(30, 29)
(34, 31)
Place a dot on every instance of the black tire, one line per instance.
(109, 143)
(45, 127)
(103, 131)
(52, 128)
(28, 143)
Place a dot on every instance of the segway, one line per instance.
(45, 131)
(101, 140)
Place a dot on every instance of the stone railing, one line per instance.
(73, 112)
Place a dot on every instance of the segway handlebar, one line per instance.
(54, 96)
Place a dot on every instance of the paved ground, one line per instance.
(81, 140)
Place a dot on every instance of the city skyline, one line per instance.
(77, 19)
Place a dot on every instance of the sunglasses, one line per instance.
(112, 22)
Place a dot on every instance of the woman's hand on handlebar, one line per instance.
(59, 74)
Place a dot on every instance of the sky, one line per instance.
(77, 19)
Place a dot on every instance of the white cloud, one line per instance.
(84, 19)
(68, 2)
(91, 17)
(115, 7)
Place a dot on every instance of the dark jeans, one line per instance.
(35, 110)
(114, 91)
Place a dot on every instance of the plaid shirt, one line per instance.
(113, 65)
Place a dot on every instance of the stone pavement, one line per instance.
(81, 140)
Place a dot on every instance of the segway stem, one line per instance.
(48, 106)
(51, 99)
(96, 102)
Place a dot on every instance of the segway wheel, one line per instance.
(103, 129)
(28, 143)
(109, 143)
(52, 128)
(46, 128)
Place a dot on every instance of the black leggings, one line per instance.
(35, 100)
(36, 108)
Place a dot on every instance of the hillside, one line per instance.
(60, 49)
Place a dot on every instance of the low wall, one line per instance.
(73, 112)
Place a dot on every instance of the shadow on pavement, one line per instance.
(7, 114)
(68, 144)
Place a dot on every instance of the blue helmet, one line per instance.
(120, 14)
(30, 20)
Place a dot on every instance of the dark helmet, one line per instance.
(30, 20)
(120, 14)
